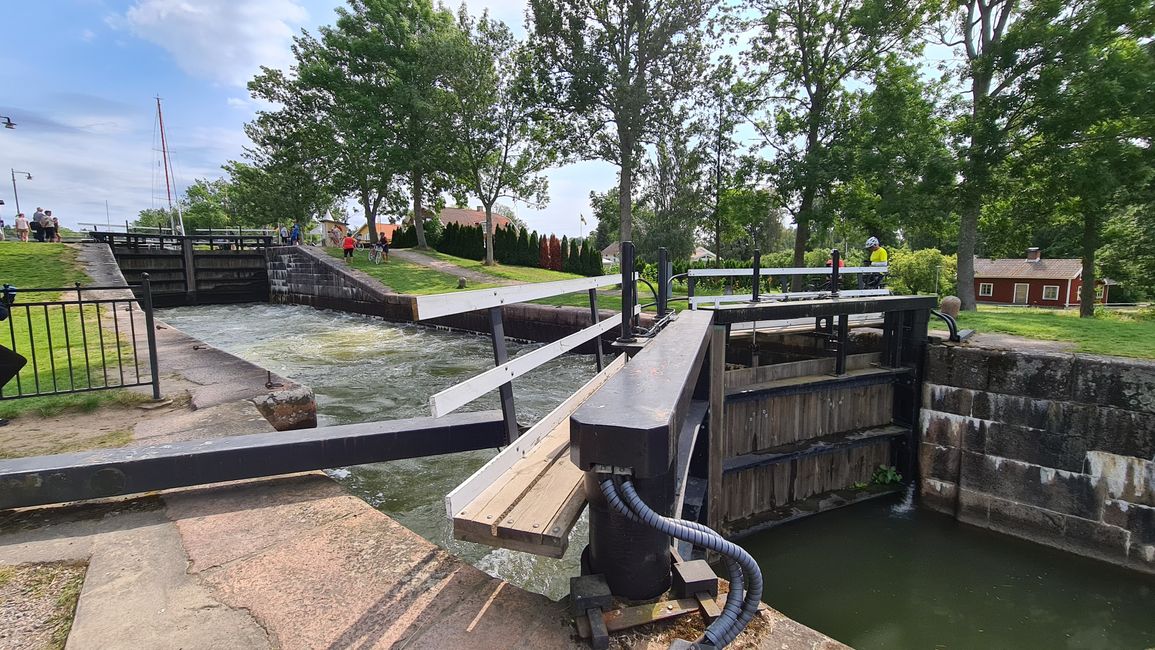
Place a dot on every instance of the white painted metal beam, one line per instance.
(706, 273)
(446, 304)
(777, 297)
(459, 395)
(464, 494)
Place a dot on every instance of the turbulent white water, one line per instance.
(364, 369)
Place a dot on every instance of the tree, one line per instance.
(503, 152)
(605, 208)
(719, 117)
(1001, 45)
(1093, 129)
(274, 192)
(674, 195)
(609, 73)
(803, 57)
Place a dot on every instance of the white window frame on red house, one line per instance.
(986, 289)
(1051, 287)
(1099, 292)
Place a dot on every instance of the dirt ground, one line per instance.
(106, 427)
(37, 603)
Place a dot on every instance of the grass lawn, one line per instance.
(57, 366)
(404, 277)
(1118, 334)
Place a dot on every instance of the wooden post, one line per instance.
(717, 419)
(190, 273)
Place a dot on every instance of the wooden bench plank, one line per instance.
(529, 497)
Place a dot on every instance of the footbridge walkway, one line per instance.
(709, 423)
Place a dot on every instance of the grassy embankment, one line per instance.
(55, 265)
(404, 277)
(1123, 334)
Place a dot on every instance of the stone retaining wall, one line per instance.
(305, 275)
(1055, 448)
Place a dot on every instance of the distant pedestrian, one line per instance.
(284, 233)
(21, 227)
(56, 228)
(38, 224)
(295, 235)
(2, 226)
(348, 245)
(50, 223)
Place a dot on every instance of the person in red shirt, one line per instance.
(348, 245)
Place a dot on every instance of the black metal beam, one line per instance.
(784, 310)
(44, 480)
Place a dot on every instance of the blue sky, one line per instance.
(79, 77)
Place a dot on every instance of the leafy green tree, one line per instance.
(674, 197)
(610, 72)
(502, 151)
(925, 271)
(804, 57)
(1093, 130)
(274, 193)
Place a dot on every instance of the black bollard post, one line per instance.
(757, 286)
(629, 293)
(663, 280)
(835, 257)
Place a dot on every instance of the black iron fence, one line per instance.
(77, 339)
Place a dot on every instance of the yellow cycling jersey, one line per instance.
(878, 255)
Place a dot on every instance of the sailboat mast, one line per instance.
(167, 168)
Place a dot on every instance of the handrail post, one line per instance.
(505, 391)
(150, 328)
(757, 286)
(594, 318)
(629, 293)
(663, 280)
(835, 260)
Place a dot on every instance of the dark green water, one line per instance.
(874, 576)
(877, 575)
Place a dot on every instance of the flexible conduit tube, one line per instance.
(713, 542)
(734, 600)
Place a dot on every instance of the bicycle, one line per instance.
(375, 255)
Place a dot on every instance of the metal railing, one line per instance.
(177, 242)
(869, 284)
(77, 342)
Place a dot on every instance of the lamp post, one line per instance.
(16, 196)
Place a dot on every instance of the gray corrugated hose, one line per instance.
(741, 566)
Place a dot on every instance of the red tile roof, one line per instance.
(1044, 269)
(467, 217)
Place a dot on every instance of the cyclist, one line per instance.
(877, 257)
(383, 248)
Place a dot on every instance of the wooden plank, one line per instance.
(819, 366)
(446, 304)
(625, 618)
(489, 473)
(459, 395)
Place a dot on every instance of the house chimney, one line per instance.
(1033, 254)
(481, 208)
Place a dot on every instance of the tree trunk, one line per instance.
(418, 215)
(802, 235)
(370, 216)
(967, 235)
(625, 194)
(489, 234)
(1090, 244)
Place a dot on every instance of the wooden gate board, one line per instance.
(528, 499)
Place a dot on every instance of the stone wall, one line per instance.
(304, 275)
(1055, 448)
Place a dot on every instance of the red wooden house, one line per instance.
(1033, 281)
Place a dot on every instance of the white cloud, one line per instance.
(222, 40)
(87, 35)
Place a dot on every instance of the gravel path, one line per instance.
(451, 269)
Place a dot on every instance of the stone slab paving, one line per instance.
(294, 562)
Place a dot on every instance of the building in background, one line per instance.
(1034, 281)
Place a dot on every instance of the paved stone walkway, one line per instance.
(478, 277)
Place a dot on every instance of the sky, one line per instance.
(80, 78)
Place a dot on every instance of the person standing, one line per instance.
(295, 235)
(38, 224)
(49, 226)
(284, 233)
(348, 245)
(2, 225)
(56, 229)
(21, 227)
